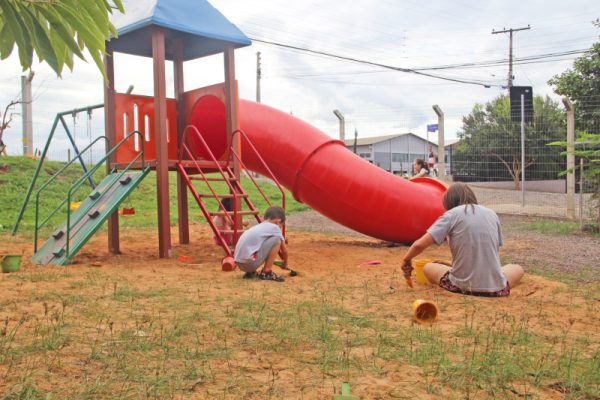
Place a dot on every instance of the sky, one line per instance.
(403, 34)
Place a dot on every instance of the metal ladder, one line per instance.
(208, 170)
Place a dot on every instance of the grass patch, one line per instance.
(128, 293)
(21, 169)
(25, 390)
(551, 226)
(583, 275)
(211, 348)
(41, 275)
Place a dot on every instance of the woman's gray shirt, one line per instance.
(475, 236)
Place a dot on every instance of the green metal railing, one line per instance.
(80, 182)
(52, 179)
(57, 119)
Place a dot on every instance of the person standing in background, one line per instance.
(432, 161)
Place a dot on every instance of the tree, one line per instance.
(587, 147)
(490, 147)
(582, 85)
(55, 30)
(5, 120)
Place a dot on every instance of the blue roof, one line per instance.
(202, 27)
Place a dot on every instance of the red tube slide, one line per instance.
(324, 174)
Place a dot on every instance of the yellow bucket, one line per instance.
(418, 265)
(424, 311)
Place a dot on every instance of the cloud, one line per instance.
(406, 34)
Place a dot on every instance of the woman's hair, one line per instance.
(459, 194)
(422, 163)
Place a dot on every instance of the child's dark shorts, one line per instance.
(449, 286)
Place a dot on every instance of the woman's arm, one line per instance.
(421, 173)
(417, 248)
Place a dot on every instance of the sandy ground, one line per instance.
(533, 250)
(333, 269)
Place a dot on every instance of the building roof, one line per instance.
(372, 139)
(379, 139)
(204, 30)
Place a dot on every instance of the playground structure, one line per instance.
(208, 134)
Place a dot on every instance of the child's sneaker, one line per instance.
(270, 276)
(249, 275)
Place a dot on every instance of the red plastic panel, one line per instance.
(208, 116)
(324, 174)
(205, 109)
(134, 112)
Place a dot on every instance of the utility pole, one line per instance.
(510, 50)
(26, 108)
(258, 76)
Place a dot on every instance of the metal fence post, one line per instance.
(522, 150)
(441, 147)
(570, 158)
(581, 193)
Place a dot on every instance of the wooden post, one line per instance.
(231, 100)
(160, 131)
(182, 198)
(111, 133)
(231, 112)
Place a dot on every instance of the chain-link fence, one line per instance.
(587, 121)
(496, 154)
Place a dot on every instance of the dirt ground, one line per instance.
(534, 250)
(332, 263)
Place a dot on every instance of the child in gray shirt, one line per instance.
(261, 244)
(475, 237)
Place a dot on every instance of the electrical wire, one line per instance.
(366, 62)
(501, 62)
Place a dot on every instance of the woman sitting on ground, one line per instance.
(421, 168)
(474, 236)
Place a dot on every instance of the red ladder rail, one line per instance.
(225, 177)
(271, 176)
(199, 166)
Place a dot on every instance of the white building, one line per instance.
(394, 153)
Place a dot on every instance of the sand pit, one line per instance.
(134, 326)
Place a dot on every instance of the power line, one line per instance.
(493, 63)
(359, 61)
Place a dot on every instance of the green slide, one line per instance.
(82, 223)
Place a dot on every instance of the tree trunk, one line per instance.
(514, 171)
